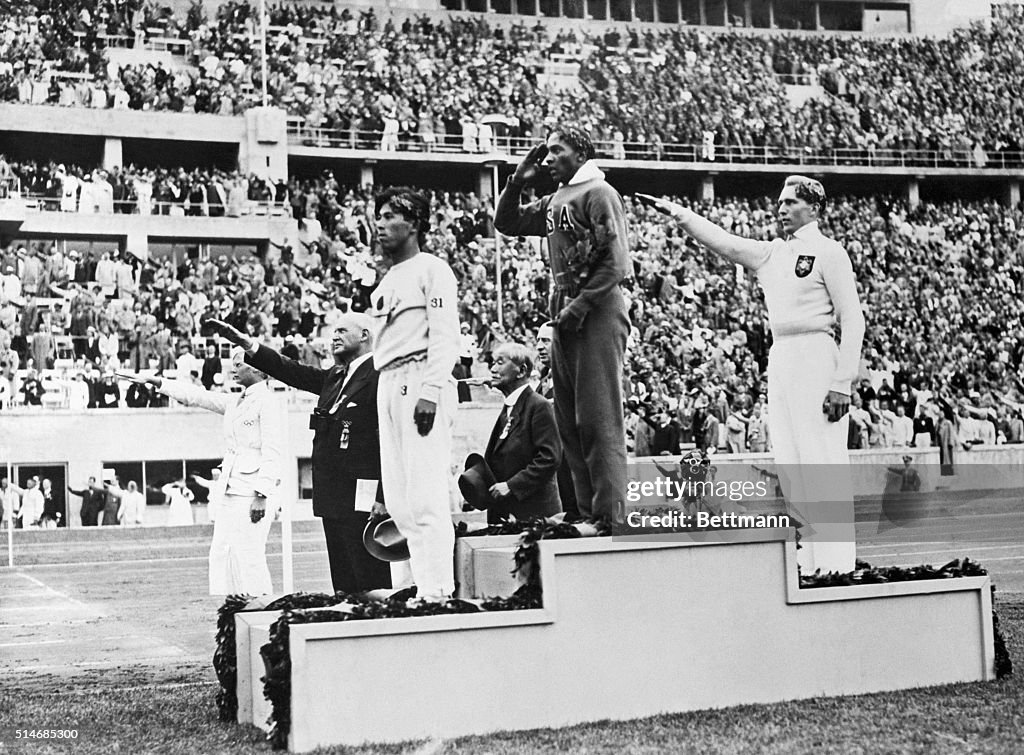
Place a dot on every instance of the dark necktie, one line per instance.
(341, 392)
(503, 422)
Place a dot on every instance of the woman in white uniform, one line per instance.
(254, 429)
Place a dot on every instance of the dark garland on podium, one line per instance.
(301, 608)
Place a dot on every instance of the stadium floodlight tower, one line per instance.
(494, 160)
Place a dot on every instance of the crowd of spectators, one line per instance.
(397, 83)
(140, 191)
(940, 285)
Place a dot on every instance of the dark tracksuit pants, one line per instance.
(586, 367)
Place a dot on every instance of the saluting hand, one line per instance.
(229, 332)
(528, 170)
(836, 405)
(666, 206)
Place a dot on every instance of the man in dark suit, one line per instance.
(346, 449)
(524, 450)
(93, 500)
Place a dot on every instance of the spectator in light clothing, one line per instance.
(133, 504)
(902, 428)
(10, 503)
(32, 504)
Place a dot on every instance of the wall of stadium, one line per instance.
(260, 134)
(86, 441)
(939, 17)
(928, 17)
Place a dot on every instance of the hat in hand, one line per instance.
(383, 541)
(475, 483)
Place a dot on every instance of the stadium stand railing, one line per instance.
(303, 135)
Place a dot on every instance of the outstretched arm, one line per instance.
(747, 252)
(191, 395)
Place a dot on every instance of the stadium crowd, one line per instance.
(412, 83)
(940, 285)
(140, 191)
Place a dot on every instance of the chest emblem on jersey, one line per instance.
(565, 219)
(804, 265)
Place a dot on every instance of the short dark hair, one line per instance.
(576, 138)
(413, 205)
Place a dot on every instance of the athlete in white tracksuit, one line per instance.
(808, 285)
(417, 345)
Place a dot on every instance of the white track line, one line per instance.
(152, 660)
(169, 559)
(983, 562)
(59, 594)
(947, 549)
(4, 625)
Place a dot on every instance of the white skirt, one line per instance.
(238, 553)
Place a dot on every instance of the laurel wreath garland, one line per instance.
(225, 664)
(306, 608)
(866, 574)
(302, 608)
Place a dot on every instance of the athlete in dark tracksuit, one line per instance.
(585, 224)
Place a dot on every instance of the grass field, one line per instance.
(135, 709)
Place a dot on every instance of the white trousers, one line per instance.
(810, 452)
(238, 553)
(414, 473)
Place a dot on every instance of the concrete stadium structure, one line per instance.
(74, 445)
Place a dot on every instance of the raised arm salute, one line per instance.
(254, 426)
(346, 448)
(809, 287)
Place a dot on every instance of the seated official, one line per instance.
(524, 451)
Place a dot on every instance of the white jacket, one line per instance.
(254, 431)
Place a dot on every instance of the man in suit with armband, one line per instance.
(346, 449)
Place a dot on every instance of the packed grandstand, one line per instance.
(940, 281)
(416, 83)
